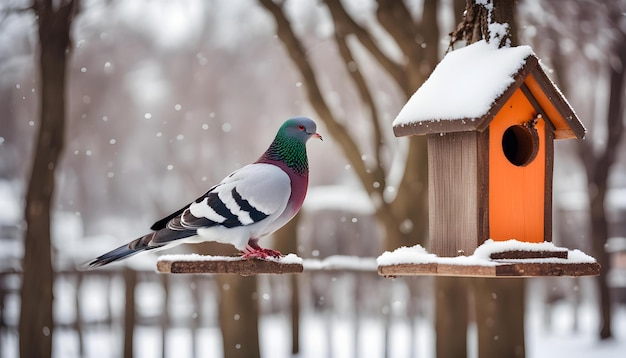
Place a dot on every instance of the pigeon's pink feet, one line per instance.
(253, 250)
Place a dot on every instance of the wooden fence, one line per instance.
(121, 300)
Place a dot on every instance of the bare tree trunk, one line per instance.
(475, 24)
(36, 321)
(599, 237)
(598, 165)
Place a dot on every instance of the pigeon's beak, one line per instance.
(318, 136)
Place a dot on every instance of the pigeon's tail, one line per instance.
(122, 252)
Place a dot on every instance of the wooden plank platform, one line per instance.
(529, 254)
(197, 264)
(499, 269)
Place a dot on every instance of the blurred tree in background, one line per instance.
(36, 319)
(595, 35)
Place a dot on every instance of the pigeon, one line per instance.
(246, 206)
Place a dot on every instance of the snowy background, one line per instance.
(194, 90)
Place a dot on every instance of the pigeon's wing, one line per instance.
(253, 194)
(161, 224)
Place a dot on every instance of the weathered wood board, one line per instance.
(227, 265)
(500, 269)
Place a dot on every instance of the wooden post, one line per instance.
(286, 240)
(79, 318)
(295, 315)
(239, 316)
(195, 319)
(130, 281)
(500, 328)
(451, 317)
(165, 313)
(238, 308)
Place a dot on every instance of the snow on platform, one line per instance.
(194, 263)
(410, 261)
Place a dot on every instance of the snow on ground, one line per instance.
(341, 262)
(324, 336)
(338, 197)
(563, 341)
(10, 207)
(331, 337)
(328, 336)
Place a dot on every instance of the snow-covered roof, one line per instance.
(471, 84)
(465, 83)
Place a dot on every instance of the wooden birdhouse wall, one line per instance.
(457, 188)
(494, 183)
(520, 172)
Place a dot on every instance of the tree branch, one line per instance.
(475, 24)
(470, 29)
(339, 132)
(5, 13)
(615, 116)
(366, 96)
(396, 19)
(340, 16)
(598, 165)
(419, 46)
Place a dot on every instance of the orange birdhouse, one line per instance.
(490, 116)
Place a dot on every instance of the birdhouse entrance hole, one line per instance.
(520, 144)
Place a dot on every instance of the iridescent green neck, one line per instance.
(289, 150)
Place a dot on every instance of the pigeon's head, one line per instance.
(301, 128)
(289, 146)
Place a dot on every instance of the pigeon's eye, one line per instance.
(301, 127)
